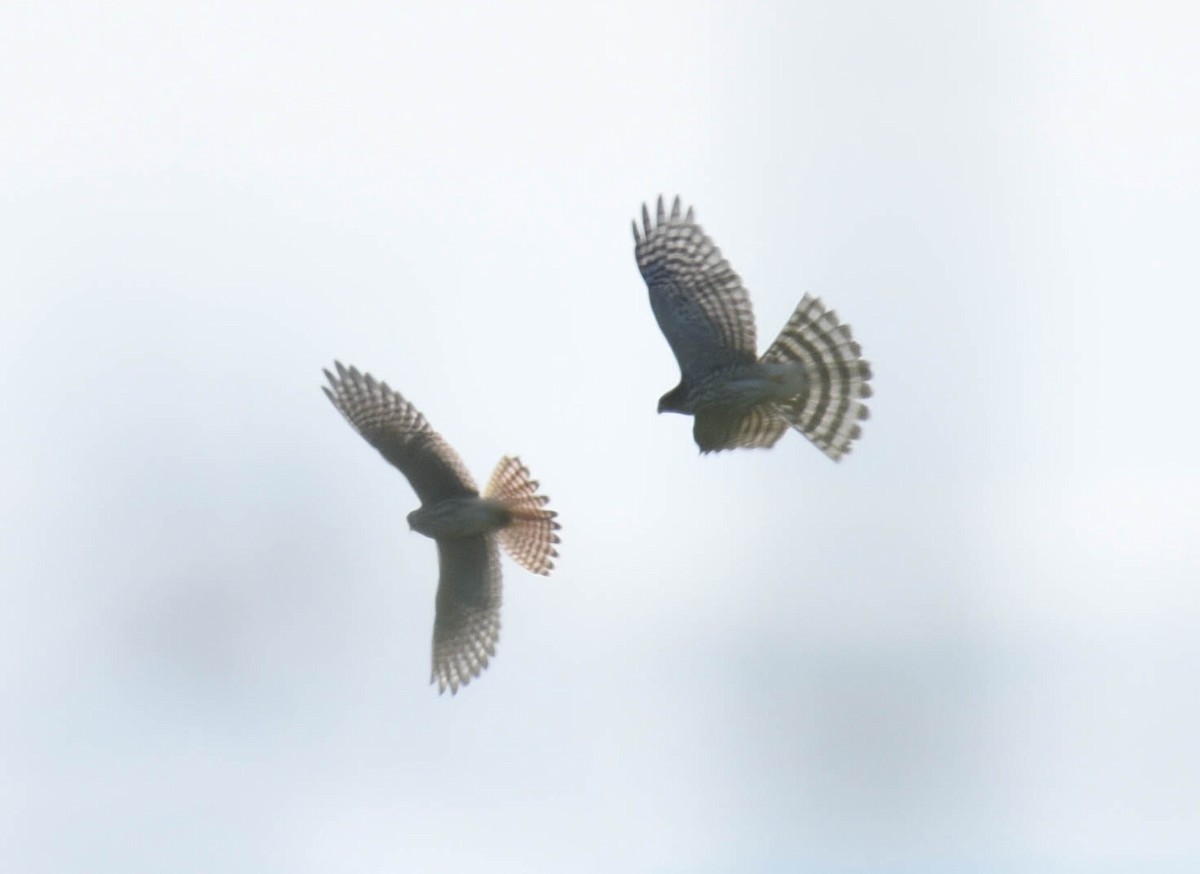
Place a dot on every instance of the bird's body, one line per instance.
(812, 378)
(452, 518)
(469, 528)
(741, 386)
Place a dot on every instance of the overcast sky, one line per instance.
(970, 646)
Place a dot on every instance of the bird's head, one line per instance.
(414, 519)
(673, 401)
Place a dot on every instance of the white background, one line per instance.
(970, 646)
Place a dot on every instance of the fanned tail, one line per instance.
(829, 412)
(530, 537)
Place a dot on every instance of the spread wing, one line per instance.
(401, 434)
(467, 624)
(701, 305)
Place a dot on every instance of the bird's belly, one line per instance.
(459, 517)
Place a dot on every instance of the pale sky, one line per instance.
(970, 646)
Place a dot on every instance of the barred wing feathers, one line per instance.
(719, 428)
(467, 621)
(401, 434)
(698, 300)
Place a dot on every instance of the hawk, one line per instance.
(812, 378)
(468, 527)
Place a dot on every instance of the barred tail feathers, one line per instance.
(530, 537)
(829, 412)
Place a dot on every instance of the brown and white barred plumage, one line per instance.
(812, 378)
(468, 528)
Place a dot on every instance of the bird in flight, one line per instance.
(812, 378)
(468, 527)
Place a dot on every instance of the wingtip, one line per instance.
(676, 215)
(446, 685)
